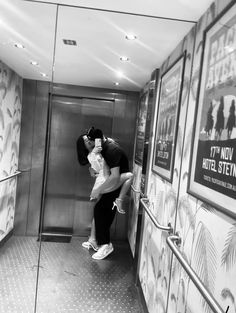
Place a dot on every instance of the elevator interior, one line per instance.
(58, 111)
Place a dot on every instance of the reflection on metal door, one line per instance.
(67, 207)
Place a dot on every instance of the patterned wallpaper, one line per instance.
(208, 237)
(10, 121)
(163, 197)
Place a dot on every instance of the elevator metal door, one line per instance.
(68, 187)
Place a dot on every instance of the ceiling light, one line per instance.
(119, 74)
(35, 63)
(116, 83)
(44, 75)
(125, 59)
(19, 45)
(130, 37)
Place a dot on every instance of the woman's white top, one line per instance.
(99, 165)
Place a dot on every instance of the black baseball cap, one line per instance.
(94, 133)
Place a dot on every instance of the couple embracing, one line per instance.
(109, 164)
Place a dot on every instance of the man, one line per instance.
(118, 163)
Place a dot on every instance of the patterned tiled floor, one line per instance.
(18, 275)
(69, 279)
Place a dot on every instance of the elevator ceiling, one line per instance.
(99, 29)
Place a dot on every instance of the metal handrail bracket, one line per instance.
(172, 242)
(168, 228)
(10, 176)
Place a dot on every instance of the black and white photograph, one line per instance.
(117, 156)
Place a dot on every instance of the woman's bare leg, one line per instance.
(93, 232)
(126, 181)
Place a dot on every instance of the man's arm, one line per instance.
(110, 184)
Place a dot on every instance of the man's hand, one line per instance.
(92, 172)
(112, 182)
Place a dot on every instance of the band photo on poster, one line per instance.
(213, 164)
(167, 119)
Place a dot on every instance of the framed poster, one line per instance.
(212, 170)
(141, 125)
(167, 119)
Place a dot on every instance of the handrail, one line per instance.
(135, 190)
(142, 195)
(154, 220)
(10, 176)
(193, 276)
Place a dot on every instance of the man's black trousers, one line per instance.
(104, 216)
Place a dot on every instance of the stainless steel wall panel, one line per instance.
(124, 122)
(83, 217)
(31, 157)
(61, 176)
(130, 120)
(22, 203)
(98, 113)
(25, 151)
(38, 151)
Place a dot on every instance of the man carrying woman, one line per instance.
(110, 192)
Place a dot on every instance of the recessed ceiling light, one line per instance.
(116, 83)
(19, 45)
(43, 74)
(125, 59)
(69, 42)
(130, 37)
(119, 74)
(35, 63)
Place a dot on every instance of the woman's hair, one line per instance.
(82, 151)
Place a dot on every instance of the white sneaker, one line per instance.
(103, 251)
(91, 243)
